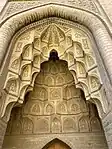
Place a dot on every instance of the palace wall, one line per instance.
(16, 7)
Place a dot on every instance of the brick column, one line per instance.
(107, 125)
(3, 126)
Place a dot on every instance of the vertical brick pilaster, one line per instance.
(3, 127)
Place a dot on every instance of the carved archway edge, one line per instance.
(18, 96)
(92, 21)
(96, 14)
(10, 27)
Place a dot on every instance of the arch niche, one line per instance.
(54, 108)
(56, 143)
(74, 43)
(37, 35)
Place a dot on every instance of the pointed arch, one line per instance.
(56, 141)
(27, 67)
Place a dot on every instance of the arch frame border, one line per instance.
(93, 22)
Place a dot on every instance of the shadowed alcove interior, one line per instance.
(55, 106)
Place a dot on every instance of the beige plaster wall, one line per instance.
(2, 3)
(107, 6)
